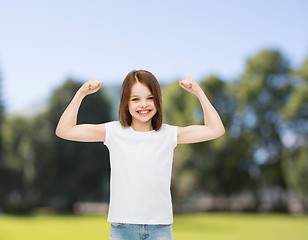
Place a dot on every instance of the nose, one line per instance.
(143, 103)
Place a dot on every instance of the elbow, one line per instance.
(220, 132)
(63, 133)
(59, 133)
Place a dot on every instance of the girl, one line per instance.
(141, 152)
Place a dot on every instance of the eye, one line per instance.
(150, 98)
(135, 99)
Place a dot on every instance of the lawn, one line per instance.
(203, 226)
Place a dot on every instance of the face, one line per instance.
(141, 104)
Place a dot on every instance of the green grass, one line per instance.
(191, 227)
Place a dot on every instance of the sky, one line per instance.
(42, 43)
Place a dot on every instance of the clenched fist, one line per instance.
(190, 85)
(91, 86)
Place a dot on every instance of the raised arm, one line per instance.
(67, 126)
(213, 126)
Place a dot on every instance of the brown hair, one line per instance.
(149, 80)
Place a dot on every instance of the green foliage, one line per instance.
(178, 105)
(262, 111)
(296, 107)
(297, 104)
(294, 158)
(221, 162)
(265, 81)
(3, 170)
(252, 109)
(267, 63)
(17, 144)
(179, 110)
(303, 71)
(295, 169)
(67, 171)
(43, 169)
(18, 163)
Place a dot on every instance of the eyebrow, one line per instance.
(139, 96)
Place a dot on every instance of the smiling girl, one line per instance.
(141, 152)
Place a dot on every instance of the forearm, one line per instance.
(69, 117)
(211, 117)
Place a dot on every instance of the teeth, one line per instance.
(143, 111)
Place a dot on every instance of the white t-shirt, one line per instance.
(141, 164)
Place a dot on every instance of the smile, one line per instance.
(144, 112)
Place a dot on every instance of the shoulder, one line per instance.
(112, 129)
(169, 128)
(170, 133)
(115, 126)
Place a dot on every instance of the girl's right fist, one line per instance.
(91, 86)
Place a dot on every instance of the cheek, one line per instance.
(131, 108)
(153, 106)
(154, 109)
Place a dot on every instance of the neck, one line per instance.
(142, 127)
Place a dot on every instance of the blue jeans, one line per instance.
(124, 231)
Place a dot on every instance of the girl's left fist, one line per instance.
(190, 85)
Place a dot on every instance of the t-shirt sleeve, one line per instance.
(108, 132)
(173, 135)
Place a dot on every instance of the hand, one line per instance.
(91, 86)
(190, 85)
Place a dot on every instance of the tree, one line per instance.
(295, 112)
(178, 109)
(2, 169)
(18, 165)
(211, 166)
(262, 92)
(67, 172)
(221, 162)
(1, 121)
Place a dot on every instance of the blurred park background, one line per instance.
(251, 59)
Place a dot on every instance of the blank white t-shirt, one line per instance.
(141, 165)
